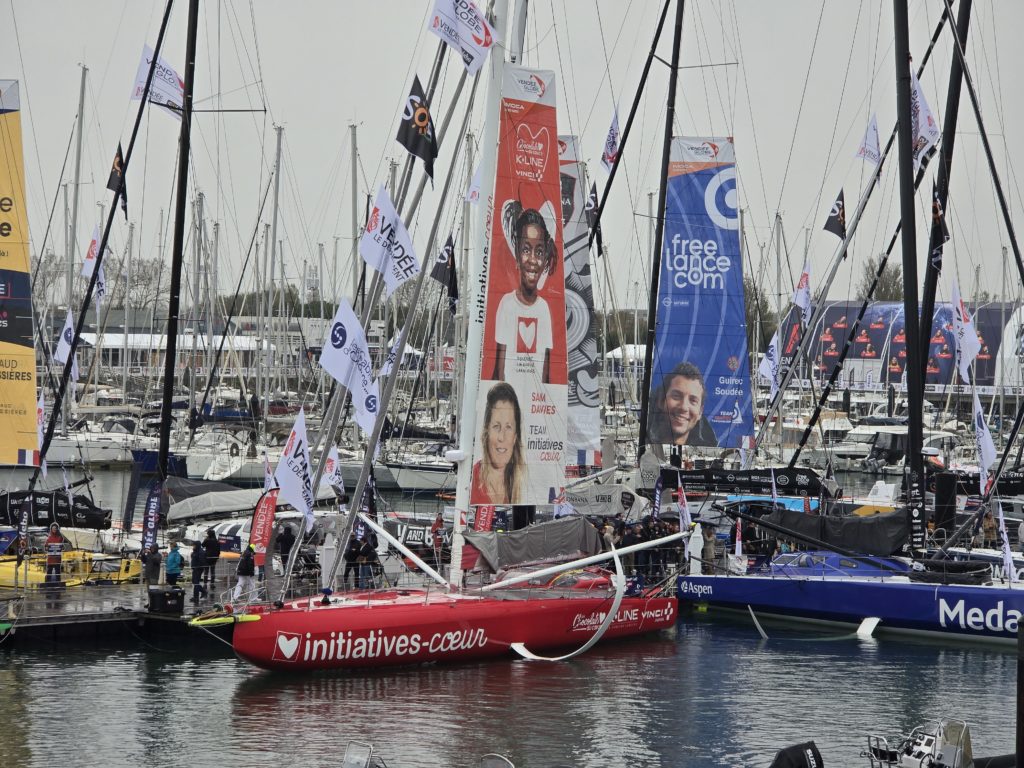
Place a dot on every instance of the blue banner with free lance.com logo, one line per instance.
(700, 379)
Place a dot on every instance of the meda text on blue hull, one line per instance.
(985, 612)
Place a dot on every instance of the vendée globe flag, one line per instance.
(611, 143)
(462, 25)
(292, 473)
(167, 90)
(67, 335)
(91, 253)
(386, 245)
(924, 127)
(983, 443)
(870, 149)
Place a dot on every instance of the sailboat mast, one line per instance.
(476, 294)
(908, 233)
(177, 254)
(934, 265)
(73, 229)
(270, 273)
(659, 234)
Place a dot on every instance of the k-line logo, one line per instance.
(696, 262)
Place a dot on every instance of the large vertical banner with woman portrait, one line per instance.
(20, 444)
(521, 414)
(700, 381)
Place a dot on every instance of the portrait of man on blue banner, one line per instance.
(700, 381)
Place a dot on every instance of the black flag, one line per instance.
(114, 180)
(416, 131)
(940, 233)
(444, 273)
(590, 210)
(836, 222)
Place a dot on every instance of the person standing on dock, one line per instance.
(212, 548)
(175, 563)
(198, 563)
(54, 554)
(246, 574)
(153, 562)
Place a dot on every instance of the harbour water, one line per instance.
(709, 693)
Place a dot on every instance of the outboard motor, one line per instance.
(804, 755)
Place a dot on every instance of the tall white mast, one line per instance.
(475, 299)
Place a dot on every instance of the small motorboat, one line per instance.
(944, 743)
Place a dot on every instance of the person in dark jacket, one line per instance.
(246, 573)
(153, 562)
(198, 563)
(285, 542)
(351, 560)
(212, 548)
(367, 558)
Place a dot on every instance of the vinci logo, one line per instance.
(371, 225)
(286, 648)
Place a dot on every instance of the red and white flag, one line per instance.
(463, 26)
(167, 89)
(802, 294)
(331, 477)
(473, 193)
(263, 525)
(89, 263)
(611, 143)
(967, 344)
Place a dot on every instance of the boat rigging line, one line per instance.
(837, 259)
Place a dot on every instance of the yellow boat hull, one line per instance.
(78, 568)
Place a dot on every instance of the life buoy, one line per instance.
(233, 450)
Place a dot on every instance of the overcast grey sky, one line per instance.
(794, 81)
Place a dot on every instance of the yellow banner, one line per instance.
(19, 443)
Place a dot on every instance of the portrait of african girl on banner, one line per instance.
(519, 454)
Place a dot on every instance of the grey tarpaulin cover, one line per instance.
(882, 534)
(567, 537)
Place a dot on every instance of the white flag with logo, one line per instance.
(331, 477)
(983, 442)
(167, 90)
(41, 429)
(347, 358)
(386, 245)
(870, 148)
(611, 143)
(473, 193)
(268, 474)
(924, 127)
(101, 286)
(292, 474)
(769, 366)
(463, 26)
(67, 335)
(389, 361)
(802, 294)
(367, 404)
(967, 344)
(89, 263)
